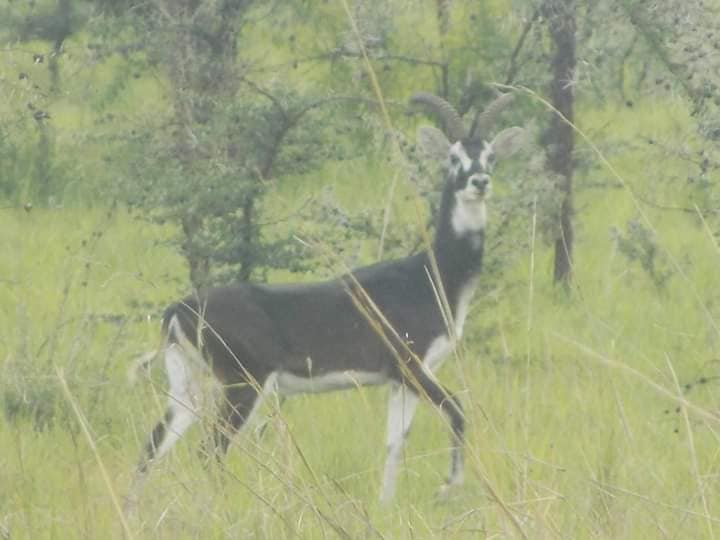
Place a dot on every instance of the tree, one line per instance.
(32, 169)
(207, 162)
(559, 139)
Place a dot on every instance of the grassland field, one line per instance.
(590, 415)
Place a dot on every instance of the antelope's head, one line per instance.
(469, 155)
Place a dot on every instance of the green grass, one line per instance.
(563, 439)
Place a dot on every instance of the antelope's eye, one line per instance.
(454, 160)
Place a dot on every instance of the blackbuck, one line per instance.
(392, 322)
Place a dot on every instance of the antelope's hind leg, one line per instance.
(239, 406)
(183, 409)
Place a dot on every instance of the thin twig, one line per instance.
(514, 67)
(86, 430)
(660, 389)
(654, 502)
(693, 453)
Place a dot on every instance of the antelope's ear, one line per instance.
(433, 143)
(507, 142)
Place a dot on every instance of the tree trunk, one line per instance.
(182, 67)
(200, 70)
(560, 137)
(63, 29)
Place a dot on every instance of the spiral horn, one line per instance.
(454, 127)
(484, 120)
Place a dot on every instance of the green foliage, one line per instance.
(52, 319)
(638, 244)
(221, 188)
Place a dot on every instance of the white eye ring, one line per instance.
(454, 160)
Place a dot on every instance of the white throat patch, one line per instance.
(468, 216)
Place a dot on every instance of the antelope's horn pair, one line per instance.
(454, 127)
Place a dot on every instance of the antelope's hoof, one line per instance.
(446, 491)
(130, 507)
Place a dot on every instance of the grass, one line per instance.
(581, 423)
(590, 415)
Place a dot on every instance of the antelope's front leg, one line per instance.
(449, 404)
(457, 469)
(401, 410)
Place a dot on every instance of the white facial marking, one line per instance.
(469, 214)
(485, 155)
(458, 154)
(289, 384)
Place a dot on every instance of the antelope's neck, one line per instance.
(459, 261)
(458, 249)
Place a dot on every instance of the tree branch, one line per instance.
(343, 53)
(513, 69)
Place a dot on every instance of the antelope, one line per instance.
(391, 322)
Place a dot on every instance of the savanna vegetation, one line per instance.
(150, 148)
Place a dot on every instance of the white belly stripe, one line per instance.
(288, 384)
